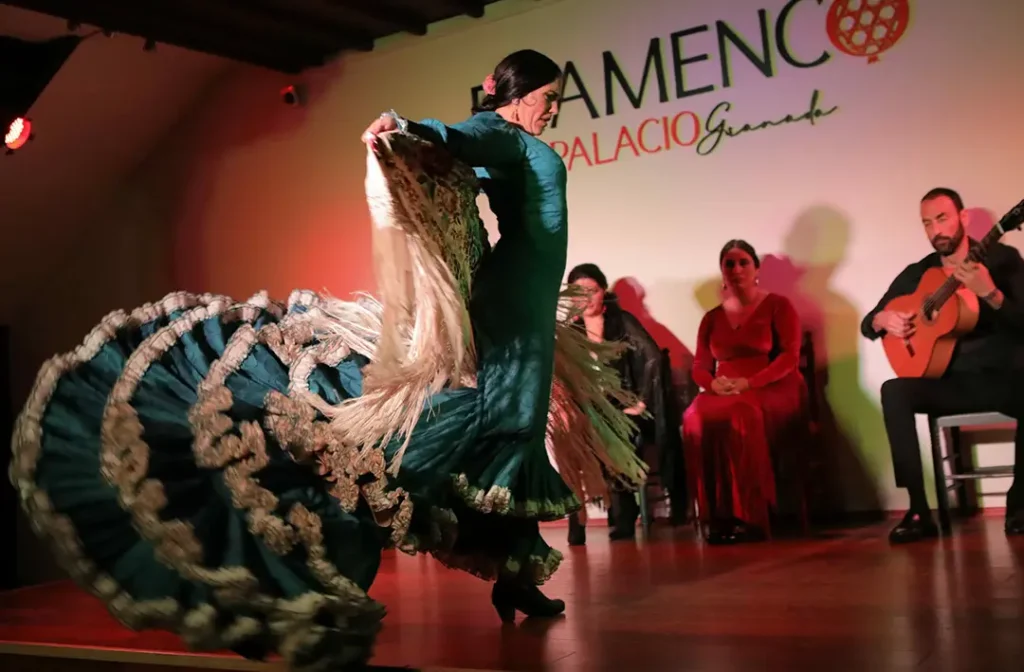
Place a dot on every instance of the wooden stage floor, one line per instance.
(842, 601)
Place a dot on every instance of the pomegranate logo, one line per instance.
(866, 28)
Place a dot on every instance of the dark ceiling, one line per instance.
(284, 35)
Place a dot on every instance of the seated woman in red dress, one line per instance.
(749, 422)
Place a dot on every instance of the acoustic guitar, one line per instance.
(942, 315)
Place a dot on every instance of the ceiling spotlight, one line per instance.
(17, 134)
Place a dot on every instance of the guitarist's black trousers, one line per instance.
(903, 398)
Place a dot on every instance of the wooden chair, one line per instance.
(808, 369)
(654, 475)
(813, 464)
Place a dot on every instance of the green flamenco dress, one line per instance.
(232, 471)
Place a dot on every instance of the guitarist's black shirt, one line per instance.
(997, 342)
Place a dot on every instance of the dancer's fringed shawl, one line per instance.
(428, 239)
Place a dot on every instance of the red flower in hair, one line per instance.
(490, 86)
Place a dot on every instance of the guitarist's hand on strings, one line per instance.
(894, 323)
(975, 277)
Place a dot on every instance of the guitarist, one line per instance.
(986, 373)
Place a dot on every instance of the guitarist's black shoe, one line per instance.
(914, 527)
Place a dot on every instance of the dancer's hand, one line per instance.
(636, 410)
(380, 125)
(722, 386)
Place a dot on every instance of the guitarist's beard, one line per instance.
(945, 245)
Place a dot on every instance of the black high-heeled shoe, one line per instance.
(577, 531)
(509, 596)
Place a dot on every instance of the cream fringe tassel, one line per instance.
(419, 338)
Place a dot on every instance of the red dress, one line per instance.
(734, 444)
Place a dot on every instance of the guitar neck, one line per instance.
(978, 253)
(949, 287)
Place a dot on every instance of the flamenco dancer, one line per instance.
(232, 471)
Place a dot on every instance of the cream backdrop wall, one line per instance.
(268, 196)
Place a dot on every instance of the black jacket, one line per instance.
(644, 371)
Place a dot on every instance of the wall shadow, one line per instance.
(632, 297)
(979, 222)
(852, 448)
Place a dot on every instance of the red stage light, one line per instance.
(18, 133)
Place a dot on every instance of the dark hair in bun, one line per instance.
(517, 75)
